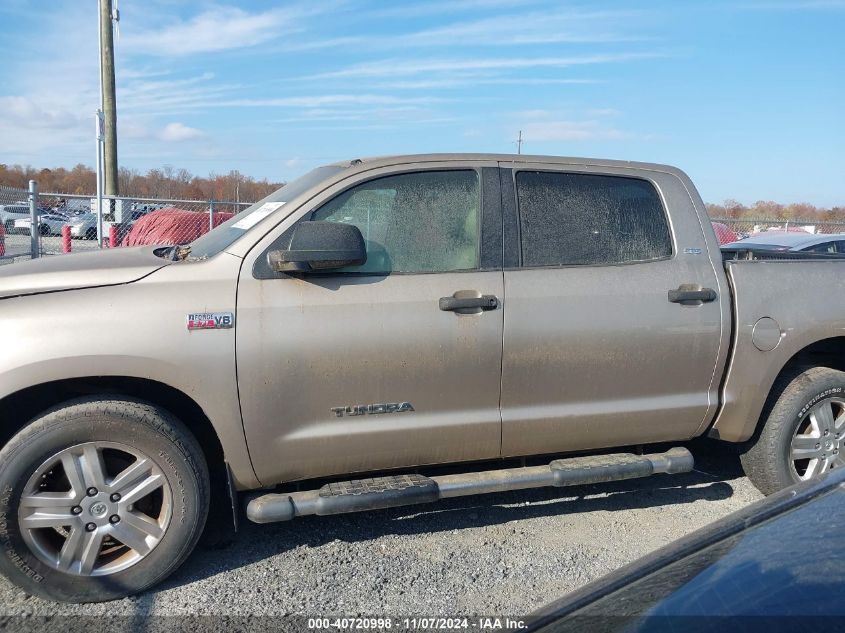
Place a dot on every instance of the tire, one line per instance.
(44, 229)
(91, 234)
(806, 414)
(167, 495)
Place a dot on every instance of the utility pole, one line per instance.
(519, 143)
(107, 96)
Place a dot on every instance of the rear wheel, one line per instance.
(91, 234)
(803, 435)
(100, 499)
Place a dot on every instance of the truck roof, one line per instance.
(371, 161)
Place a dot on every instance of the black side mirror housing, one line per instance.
(318, 246)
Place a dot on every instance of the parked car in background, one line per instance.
(793, 242)
(10, 213)
(48, 224)
(739, 567)
(724, 233)
(84, 226)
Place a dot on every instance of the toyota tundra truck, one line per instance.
(331, 347)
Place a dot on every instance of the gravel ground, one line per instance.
(497, 554)
(19, 245)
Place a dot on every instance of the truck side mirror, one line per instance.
(316, 246)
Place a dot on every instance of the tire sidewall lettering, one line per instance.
(177, 482)
(6, 543)
(832, 391)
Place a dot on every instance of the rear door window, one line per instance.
(569, 219)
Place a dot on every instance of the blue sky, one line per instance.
(746, 96)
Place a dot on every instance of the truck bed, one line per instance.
(752, 253)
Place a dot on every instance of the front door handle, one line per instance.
(485, 302)
(687, 294)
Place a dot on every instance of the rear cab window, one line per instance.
(577, 219)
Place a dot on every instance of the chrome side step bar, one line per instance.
(402, 490)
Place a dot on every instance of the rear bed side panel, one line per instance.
(806, 298)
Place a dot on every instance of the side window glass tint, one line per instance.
(825, 247)
(583, 219)
(412, 223)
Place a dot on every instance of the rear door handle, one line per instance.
(689, 293)
(485, 302)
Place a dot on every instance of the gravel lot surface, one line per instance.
(496, 554)
(18, 244)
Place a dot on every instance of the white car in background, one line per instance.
(11, 213)
(48, 224)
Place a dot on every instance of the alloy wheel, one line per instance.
(95, 509)
(819, 439)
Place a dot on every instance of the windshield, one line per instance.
(222, 236)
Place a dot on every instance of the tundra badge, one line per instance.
(372, 409)
(210, 320)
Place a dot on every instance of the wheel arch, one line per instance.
(736, 423)
(19, 408)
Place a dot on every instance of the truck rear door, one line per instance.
(596, 351)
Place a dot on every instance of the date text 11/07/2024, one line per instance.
(419, 623)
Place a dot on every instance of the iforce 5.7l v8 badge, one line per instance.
(210, 320)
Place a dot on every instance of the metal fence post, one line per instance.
(33, 220)
(211, 214)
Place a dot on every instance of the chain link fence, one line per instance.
(734, 229)
(66, 223)
(15, 241)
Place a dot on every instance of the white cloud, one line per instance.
(552, 26)
(549, 125)
(398, 67)
(217, 29)
(570, 131)
(797, 5)
(412, 10)
(26, 112)
(316, 101)
(175, 132)
(545, 27)
(464, 81)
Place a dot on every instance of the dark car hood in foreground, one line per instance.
(79, 270)
(777, 565)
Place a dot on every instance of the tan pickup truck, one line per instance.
(377, 318)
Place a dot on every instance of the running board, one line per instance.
(404, 490)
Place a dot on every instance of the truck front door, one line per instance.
(376, 366)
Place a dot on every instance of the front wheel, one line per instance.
(100, 499)
(803, 435)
